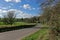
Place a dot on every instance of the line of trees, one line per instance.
(10, 18)
(51, 17)
(29, 20)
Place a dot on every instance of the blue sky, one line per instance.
(23, 8)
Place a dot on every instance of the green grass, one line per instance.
(23, 23)
(2, 25)
(37, 35)
(42, 34)
(18, 23)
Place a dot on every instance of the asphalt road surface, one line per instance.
(18, 34)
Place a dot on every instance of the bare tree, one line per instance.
(9, 18)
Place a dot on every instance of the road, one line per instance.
(18, 34)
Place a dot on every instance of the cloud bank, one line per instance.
(12, 1)
(19, 13)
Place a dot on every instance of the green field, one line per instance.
(1, 23)
(15, 24)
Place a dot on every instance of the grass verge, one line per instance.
(37, 35)
(42, 34)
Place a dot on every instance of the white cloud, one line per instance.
(8, 0)
(4, 8)
(33, 8)
(2, 11)
(24, 15)
(13, 1)
(17, 1)
(20, 6)
(19, 13)
(11, 4)
(27, 6)
(0, 15)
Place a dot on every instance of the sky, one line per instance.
(22, 8)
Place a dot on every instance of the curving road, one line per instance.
(18, 34)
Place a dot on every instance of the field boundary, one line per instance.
(10, 28)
